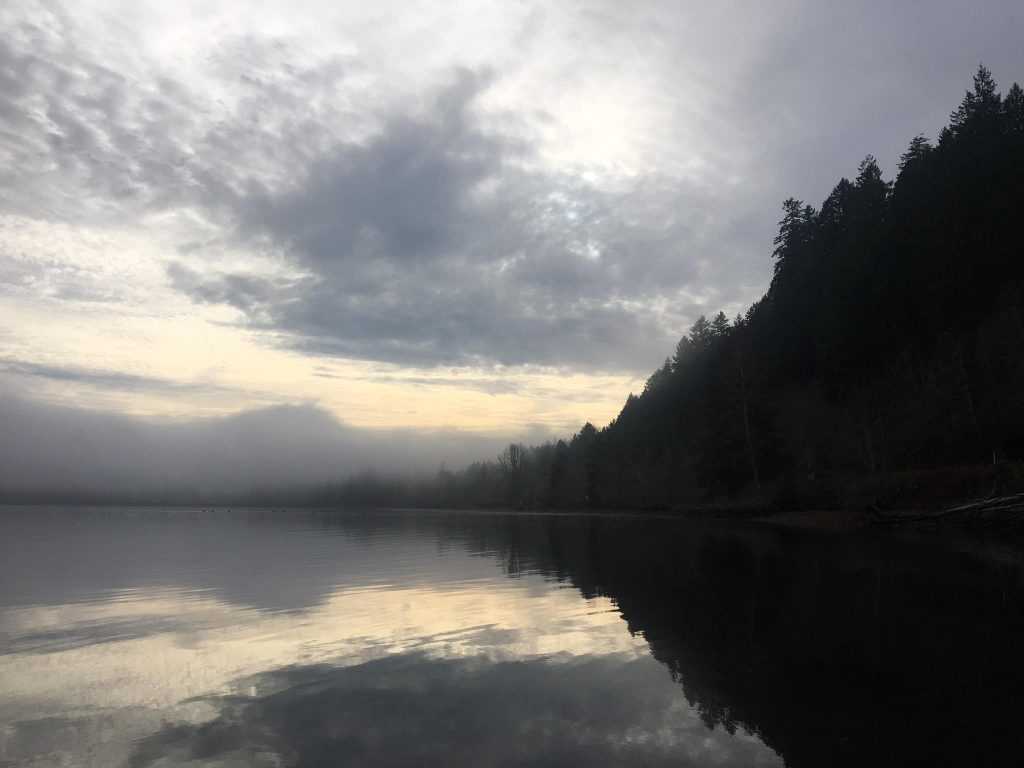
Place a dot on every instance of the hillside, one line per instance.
(887, 350)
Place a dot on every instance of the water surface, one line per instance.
(176, 637)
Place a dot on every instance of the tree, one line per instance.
(660, 377)
(915, 154)
(720, 326)
(794, 233)
(701, 333)
(684, 351)
(980, 109)
(1013, 107)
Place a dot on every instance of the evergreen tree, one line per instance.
(916, 152)
(1013, 106)
(980, 108)
(720, 326)
(701, 333)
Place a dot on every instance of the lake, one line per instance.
(141, 637)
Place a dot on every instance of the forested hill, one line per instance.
(891, 339)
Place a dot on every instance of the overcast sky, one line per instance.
(485, 216)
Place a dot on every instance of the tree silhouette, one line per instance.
(889, 341)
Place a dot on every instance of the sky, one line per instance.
(474, 218)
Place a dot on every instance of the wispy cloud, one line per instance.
(106, 379)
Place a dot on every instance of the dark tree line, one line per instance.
(890, 340)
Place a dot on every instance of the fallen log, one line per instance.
(1001, 509)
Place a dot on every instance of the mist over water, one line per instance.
(63, 452)
(255, 638)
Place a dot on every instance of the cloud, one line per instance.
(569, 189)
(435, 242)
(422, 233)
(72, 124)
(95, 130)
(96, 632)
(492, 386)
(105, 379)
(401, 710)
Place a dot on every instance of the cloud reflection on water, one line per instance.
(414, 709)
(215, 642)
(379, 640)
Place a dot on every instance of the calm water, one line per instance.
(165, 638)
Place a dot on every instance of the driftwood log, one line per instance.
(997, 510)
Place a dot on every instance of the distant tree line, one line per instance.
(890, 340)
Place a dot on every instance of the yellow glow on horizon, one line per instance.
(224, 369)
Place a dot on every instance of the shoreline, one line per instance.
(991, 513)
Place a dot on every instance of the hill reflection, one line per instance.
(835, 650)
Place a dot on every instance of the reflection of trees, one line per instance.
(835, 650)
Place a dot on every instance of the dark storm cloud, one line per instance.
(403, 196)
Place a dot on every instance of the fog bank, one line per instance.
(61, 452)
